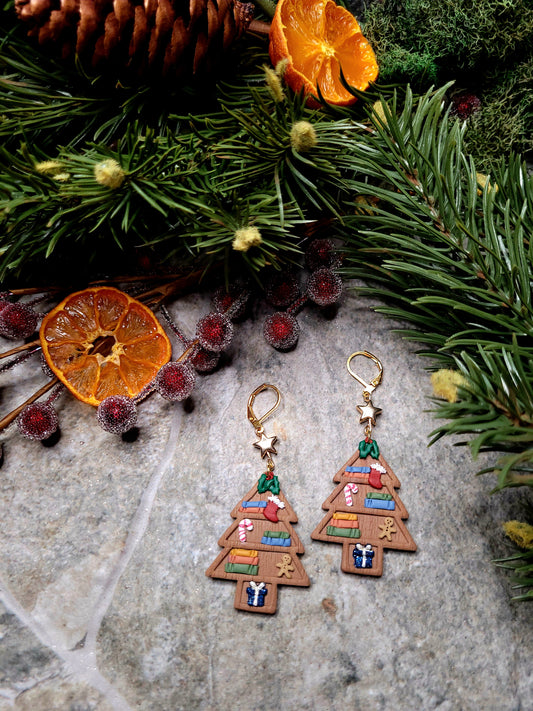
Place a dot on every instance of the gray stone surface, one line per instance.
(104, 545)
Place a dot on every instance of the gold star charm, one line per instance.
(266, 444)
(369, 412)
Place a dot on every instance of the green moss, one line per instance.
(486, 46)
(505, 122)
(401, 65)
(461, 35)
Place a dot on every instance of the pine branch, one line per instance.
(260, 146)
(522, 565)
(454, 259)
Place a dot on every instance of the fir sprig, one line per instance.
(522, 580)
(449, 252)
(496, 407)
(49, 103)
(449, 255)
(213, 230)
(65, 197)
(259, 147)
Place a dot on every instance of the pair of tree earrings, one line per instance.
(364, 513)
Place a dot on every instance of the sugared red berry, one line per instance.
(281, 331)
(117, 414)
(321, 253)
(175, 381)
(282, 289)
(17, 321)
(214, 331)
(205, 361)
(38, 421)
(324, 287)
(231, 301)
(464, 105)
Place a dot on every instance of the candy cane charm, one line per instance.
(348, 490)
(244, 525)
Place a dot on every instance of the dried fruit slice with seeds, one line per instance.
(318, 38)
(102, 342)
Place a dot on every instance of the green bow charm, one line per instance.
(367, 448)
(268, 482)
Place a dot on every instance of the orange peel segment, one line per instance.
(317, 38)
(101, 342)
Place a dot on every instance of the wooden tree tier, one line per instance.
(365, 514)
(260, 551)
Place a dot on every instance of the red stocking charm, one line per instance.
(271, 509)
(374, 478)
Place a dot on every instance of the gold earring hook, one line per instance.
(258, 421)
(372, 385)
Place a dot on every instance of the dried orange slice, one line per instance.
(317, 38)
(101, 342)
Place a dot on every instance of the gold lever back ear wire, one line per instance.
(367, 410)
(264, 443)
(372, 385)
(258, 421)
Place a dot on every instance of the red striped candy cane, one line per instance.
(348, 490)
(243, 526)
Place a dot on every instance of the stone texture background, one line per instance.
(104, 545)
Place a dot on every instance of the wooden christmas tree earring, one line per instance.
(365, 513)
(261, 548)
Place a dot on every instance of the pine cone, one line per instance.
(169, 38)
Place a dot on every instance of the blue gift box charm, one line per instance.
(363, 555)
(256, 594)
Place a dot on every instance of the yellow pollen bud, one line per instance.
(281, 66)
(520, 533)
(109, 173)
(246, 237)
(445, 383)
(274, 84)
(303, 136)
(482, 181)
(49, 167)
(379, 112)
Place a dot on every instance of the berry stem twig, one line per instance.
(18, 360)
(179, 333)
(294, 308)
(188, 351)
(8, 419)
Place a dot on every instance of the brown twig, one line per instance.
(19, 349)
(262, 28)
(158, 294)
(138, 277)
(8, 419)
(35, 290)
